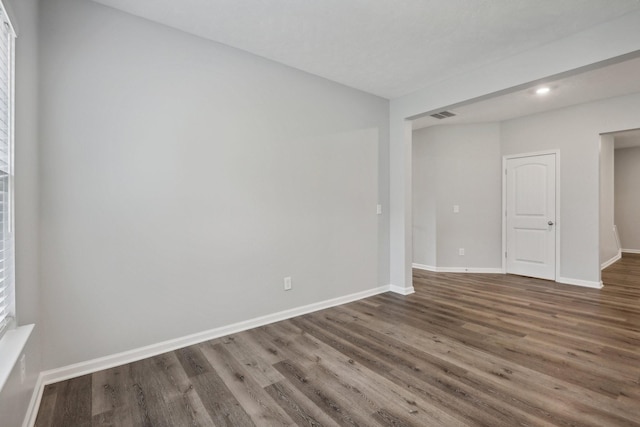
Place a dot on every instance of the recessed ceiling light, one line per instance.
(542, 91)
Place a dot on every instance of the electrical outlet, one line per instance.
(379, 209)
(456, 208)
(287, 283)
(461, 251)
(23, 368)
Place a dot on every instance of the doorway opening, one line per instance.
(619, 195)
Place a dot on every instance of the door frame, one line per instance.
(558, 223)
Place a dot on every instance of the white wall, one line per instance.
(457, 165)
(182, 180)
(627, 194)
(575, 131)
(608, 243)
(595, 45)
(15, 395)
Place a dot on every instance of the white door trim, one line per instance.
(558, 223)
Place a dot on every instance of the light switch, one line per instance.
(456, 208)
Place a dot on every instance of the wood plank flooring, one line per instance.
(464, 350)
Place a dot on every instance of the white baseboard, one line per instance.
(470, 270)
(580, 282)
(458, 269)
(564, 280)
(34, 403)
(400, 290)
(631, 251)
(106, 362)
(615, 258)
(424, 267)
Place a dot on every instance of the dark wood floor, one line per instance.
(464, 350)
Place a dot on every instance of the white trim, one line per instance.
(530, 154)
(34, 403)
(458, 269)
(401, 290)
(470, 270)
(10, 16)
(11, 345)
(503, 253)
(617, 236)
(615, 258)
(558, 220)
(9, 310)
(564, 280)
(580, 282)
(631, 251)
(424, 267)
(106, 362)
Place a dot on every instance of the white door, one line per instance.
(531, 216)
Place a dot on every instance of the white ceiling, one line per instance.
(601, 83)
(388, 48)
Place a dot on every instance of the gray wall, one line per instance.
(182, 180)
(15, 396)
(457, 165)
(627, 183)
(576, 132)
(608, 243)
(425, 188)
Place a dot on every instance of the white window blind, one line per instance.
(7, 283)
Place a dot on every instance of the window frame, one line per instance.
(9, 322)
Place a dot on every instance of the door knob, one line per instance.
(550, 223)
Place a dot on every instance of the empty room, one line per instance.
(334, 213)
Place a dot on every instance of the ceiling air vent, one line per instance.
(443, 115)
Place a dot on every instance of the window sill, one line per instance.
(11, 346)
